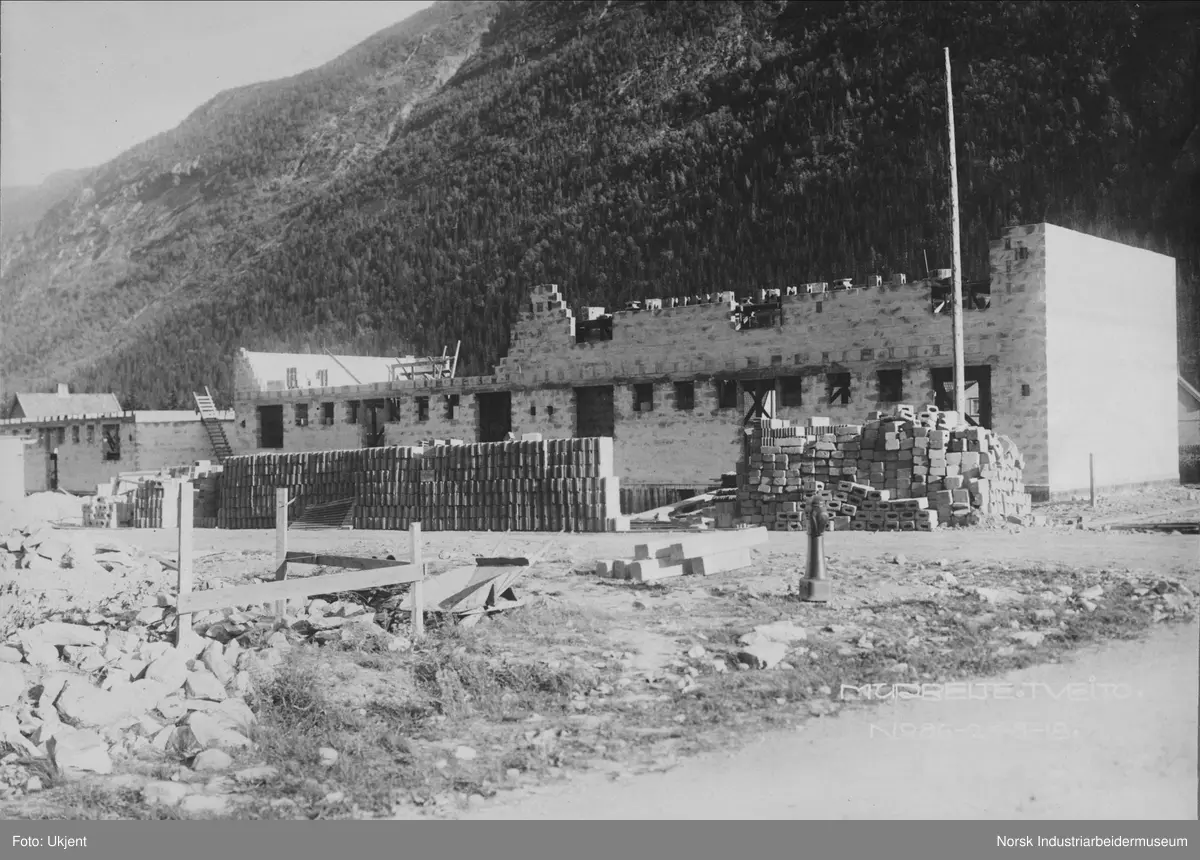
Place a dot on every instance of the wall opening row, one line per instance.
(595, 406)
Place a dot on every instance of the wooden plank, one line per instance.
(501, 562)
(418, 589)
(343, 561)
(281, 553)
(307, 586)
(183, 627)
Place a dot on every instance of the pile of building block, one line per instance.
(699, 555)
(725, 506)
(105, 512)
(555, 485)
(910, 471)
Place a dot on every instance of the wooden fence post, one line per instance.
(281, 525)
(183, 622)
(418, 587)
(1092, 477)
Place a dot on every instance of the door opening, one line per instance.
(977, 392)
(594, 412)
(495, 416)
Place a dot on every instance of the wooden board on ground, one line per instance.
(300, 587)
(485, 594)
(343, 561)
(464, 588)
(684, 506)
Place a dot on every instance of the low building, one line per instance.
(1189, 413)
(1071, 338)
(76, 451)
(34, 406)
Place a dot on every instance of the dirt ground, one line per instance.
(1045, 756)
(593, 679)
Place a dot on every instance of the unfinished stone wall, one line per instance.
(524, 486)
(859, 331)
(904, 472)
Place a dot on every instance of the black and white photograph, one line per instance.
(624, 410)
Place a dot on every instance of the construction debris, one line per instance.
(89, 671)
(563, 484)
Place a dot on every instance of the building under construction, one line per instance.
(1070, 351)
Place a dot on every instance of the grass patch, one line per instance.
(94, 801)
(461, 687)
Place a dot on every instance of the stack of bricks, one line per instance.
(556, 485)
(907, 472)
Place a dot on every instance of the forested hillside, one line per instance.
(619, 149)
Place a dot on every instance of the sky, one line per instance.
(81, 82)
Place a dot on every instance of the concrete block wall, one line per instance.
(169, 444)
(145, 446)
(1112, 363)
(549, 411)
(81, 463)
(666, 445)
(1020, 388)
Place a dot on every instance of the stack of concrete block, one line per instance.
(908, 471)
(155, 503)
(555, 485)
(700, 555)
(148, 505)
(105, 512)
(725, 508)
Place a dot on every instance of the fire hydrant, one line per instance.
(815, 586)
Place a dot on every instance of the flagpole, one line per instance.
(956, 299)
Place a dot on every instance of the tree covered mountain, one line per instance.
(408, 194)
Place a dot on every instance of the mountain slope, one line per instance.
(169, 220)
(22, 206)
(626, 150)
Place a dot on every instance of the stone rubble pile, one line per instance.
(45, 570)
(906, 472)
(84, 688)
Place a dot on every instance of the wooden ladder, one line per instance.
(210, 418)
